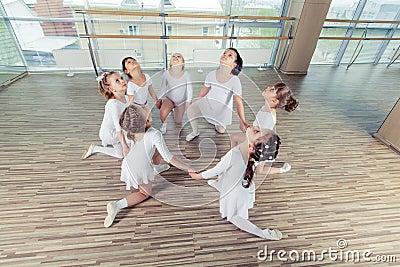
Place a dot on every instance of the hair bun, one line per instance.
(291, 104)
(133, 121)
(269, 151)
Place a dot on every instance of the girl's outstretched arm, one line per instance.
(163, 85)
(154, 96)
(125, 147)
(152, 92)
(167, 155)
(264, 168)
(220, 168)
(180, 164)
(196, 176)
(240, 111)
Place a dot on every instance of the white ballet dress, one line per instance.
(216, 106)
(110, 124)
(265, 120)
(136, 168)
(140, 93)
(178, 90)
(234, 198)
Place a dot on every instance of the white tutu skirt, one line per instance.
(215, 112)
(236, 201)
(133, 176)
(108, 137)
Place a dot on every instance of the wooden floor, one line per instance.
(343, 184)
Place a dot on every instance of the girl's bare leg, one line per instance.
(166, 108)
(114, 207)
(156, 158)
(179, 111)
(137, 197)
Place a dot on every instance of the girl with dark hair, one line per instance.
(215, 100)
(237, 189)
(139, 84)
(113, 87)
(136, 168)
(239, 62)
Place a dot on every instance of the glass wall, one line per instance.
(41, 27)
(11, 62)
(376, 49)
(53, 34)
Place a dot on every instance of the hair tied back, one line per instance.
(100, 77)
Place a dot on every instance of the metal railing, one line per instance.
(363, 37)
(231, 20)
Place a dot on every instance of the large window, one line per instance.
(359, 51)
(11, 61)
(41, 27)
(54, 34)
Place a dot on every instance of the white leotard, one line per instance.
(265, 120)
(234, 198)
(216, 106)
(136, 167)
(140, 93)
(178, 90)
(110, 124)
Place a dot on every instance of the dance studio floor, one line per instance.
(342, 194)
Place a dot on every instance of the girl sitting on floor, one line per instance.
(237, 189)
(136, 168)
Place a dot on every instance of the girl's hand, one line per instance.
(158, 103)
(243, 126)
(190, 170)
(125, 150)
(196, 176)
